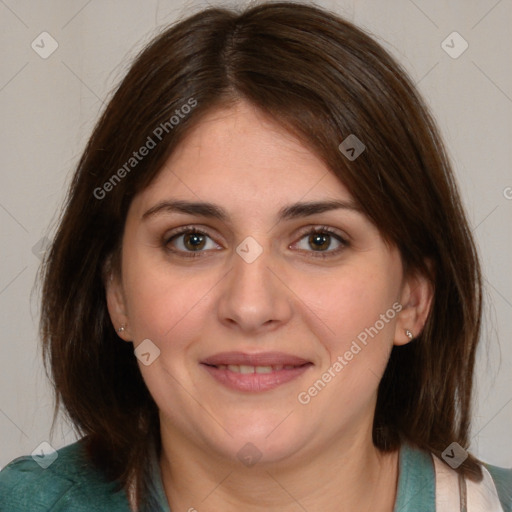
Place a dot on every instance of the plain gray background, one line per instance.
(49, 105)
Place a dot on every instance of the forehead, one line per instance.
(239, 157)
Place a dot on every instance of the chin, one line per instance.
(259, 441)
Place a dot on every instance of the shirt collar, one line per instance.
(416, 480)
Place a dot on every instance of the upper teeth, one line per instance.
(254, 369)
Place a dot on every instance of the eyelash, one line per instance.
(314, 254)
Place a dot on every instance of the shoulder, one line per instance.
(503, 481)
(68, 483)
(419, 481)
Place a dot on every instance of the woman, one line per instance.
(263, 293)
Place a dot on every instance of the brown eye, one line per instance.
(194, 241)
(322, 242)
(190, 241)
(319, 241)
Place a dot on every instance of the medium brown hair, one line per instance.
(322, 79)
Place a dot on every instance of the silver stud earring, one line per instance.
(409, 334)
(121, 329)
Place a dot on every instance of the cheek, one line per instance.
(157, 295)
(354, 319)
(161, 302)
(170, 310)
(352, 302)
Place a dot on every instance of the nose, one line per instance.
(254, 297)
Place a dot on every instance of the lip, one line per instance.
(255, 382)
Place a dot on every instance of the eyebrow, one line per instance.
(210, 210)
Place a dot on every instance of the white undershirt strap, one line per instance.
(454, 493)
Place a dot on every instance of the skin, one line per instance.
(320, 455)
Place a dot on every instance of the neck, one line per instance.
(346, 477)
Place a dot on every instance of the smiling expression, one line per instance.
(250, 267)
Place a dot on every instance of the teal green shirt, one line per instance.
(71, 484)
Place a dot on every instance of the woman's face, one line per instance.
(261, 330)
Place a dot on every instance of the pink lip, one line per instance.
(255, 382)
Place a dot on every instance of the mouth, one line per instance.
(246, 369)
(254, 372)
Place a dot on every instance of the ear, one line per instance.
(116, 304)
(416, 300)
